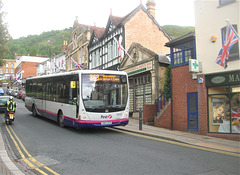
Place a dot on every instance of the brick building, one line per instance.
(184, 115)
(139, 26)
(144, 39)
(26, 66)
(8, 69)
(205, 101)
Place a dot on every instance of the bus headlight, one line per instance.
(83, 115)
(125, 115)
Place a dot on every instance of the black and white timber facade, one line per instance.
(103, 49)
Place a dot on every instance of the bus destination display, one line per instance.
(97, 77)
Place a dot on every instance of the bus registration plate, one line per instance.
(106, 123)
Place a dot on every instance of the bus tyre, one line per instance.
(61, 119)
(34, 112)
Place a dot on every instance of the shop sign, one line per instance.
(140, 68)
(223, 79)
(193, 65)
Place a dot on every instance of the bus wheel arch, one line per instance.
(61, 119)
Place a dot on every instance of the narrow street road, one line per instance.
(40, 146)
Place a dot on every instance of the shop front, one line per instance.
(223, 93)
(146, 75)
(140, 86)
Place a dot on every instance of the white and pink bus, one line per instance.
(84, 98)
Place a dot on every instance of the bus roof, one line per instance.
(80, 72)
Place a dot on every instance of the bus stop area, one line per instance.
(213, 144)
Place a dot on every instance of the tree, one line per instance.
(4, 37)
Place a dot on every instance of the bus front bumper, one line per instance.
(88, 124)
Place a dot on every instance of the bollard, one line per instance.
(140, 118)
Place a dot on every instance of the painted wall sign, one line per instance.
(223, 79)
(140, 68)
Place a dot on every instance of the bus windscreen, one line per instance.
(104, 92)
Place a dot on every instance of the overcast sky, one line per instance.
(30, 17)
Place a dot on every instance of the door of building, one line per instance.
(192, 103)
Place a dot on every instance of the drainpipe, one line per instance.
(171, 101)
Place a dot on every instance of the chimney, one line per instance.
(111, 12)
(151, 7)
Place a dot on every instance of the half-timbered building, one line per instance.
(138, 26)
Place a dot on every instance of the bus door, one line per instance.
(74, 93)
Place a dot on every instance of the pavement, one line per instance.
(7, 167)
(229, 147)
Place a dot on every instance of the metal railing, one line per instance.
(163, 99)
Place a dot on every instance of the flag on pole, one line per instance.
(18, 76)
(230, 39)
(77, 65)
(14, 78)
(121, 49)
(56, 65)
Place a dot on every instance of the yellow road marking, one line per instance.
(217, 146)
(21, 153)
(178, 143)
(29, 155)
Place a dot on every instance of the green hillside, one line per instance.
(177, 31)
(45, 44)
(50, 42)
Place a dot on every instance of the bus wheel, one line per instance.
(61, 119)
(34, 111)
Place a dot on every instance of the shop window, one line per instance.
(130, 83)
(149, 78)
(224, 109)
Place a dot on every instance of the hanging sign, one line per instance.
(193, 65)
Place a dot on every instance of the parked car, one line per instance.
(3, 100)
(1, 91)
(20, 94)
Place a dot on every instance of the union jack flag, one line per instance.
(230, 39)
(77, 65)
